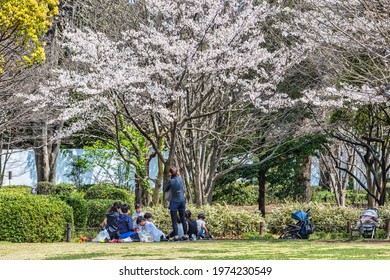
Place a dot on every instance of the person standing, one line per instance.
(177, 202)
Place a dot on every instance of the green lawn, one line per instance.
(201, 250)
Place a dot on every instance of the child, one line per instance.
(180, 231)
(191, 225)
(151, 229)
(125, 224)
(138, 213)
(148, 217)
(201, 226)
(112, 223)
(117, 206)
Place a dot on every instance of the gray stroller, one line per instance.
(368, 223)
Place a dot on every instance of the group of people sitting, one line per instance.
(123, 227)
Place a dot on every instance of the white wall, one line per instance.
(22, 165)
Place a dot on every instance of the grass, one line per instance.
(201, 250)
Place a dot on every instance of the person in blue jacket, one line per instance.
(112, 222)
(125, 224)
(177, 202)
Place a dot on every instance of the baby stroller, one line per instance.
(302, 229)
(367, 224)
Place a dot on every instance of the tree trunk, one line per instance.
(159, 180)
(42, 155)
(307, 176)
(46, 153)
(209, 198)
(262, 180)
(198, 190)
(5, 154)
(141, 187)
(169, 162)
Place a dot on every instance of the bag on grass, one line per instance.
(145, 236)
(102, 236)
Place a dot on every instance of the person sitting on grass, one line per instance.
(191, 225)
(180, 231)
(116, 205)
(125, 224)
(150, 228)
(112, 223)
(137, 213)
(148, 217)
(203, 232)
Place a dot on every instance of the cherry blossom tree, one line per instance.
(184, 66)
(351, 43)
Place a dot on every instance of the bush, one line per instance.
(323, 196)
(325, 217)
(15, 190)
(380, 234)
(236, 193)
(352, 197)
(46, 188)
(80, 208)
(97, 209)
(221, 220)
(84, 187)
(32, 218)
(384, 215)
(104, 191)
(64, 189)
(355, 197)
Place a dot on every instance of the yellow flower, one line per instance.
(24, 23)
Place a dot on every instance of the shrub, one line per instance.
(104, 191)
(384, 215)
(236, 193)
(323, 196)
(97, 209)
(84, 187)
(221, 220)
(80, 208)
(16, 190)
(32, 218)
(325, 217)
(352, 197)
(355, 197)
(46, 188)
(381, 234)
(64, 189)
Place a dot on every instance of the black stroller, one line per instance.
(302, 229)
(367, 224)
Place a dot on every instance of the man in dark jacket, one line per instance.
(177, 201)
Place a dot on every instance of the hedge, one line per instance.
(32, 218)
(46, 188)
(80, 208)
(15, 190)
(103, 191)
(97, 209)
(351, 197)
(64, 189)
(221, 220)
(384, 215)
(325, 217)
